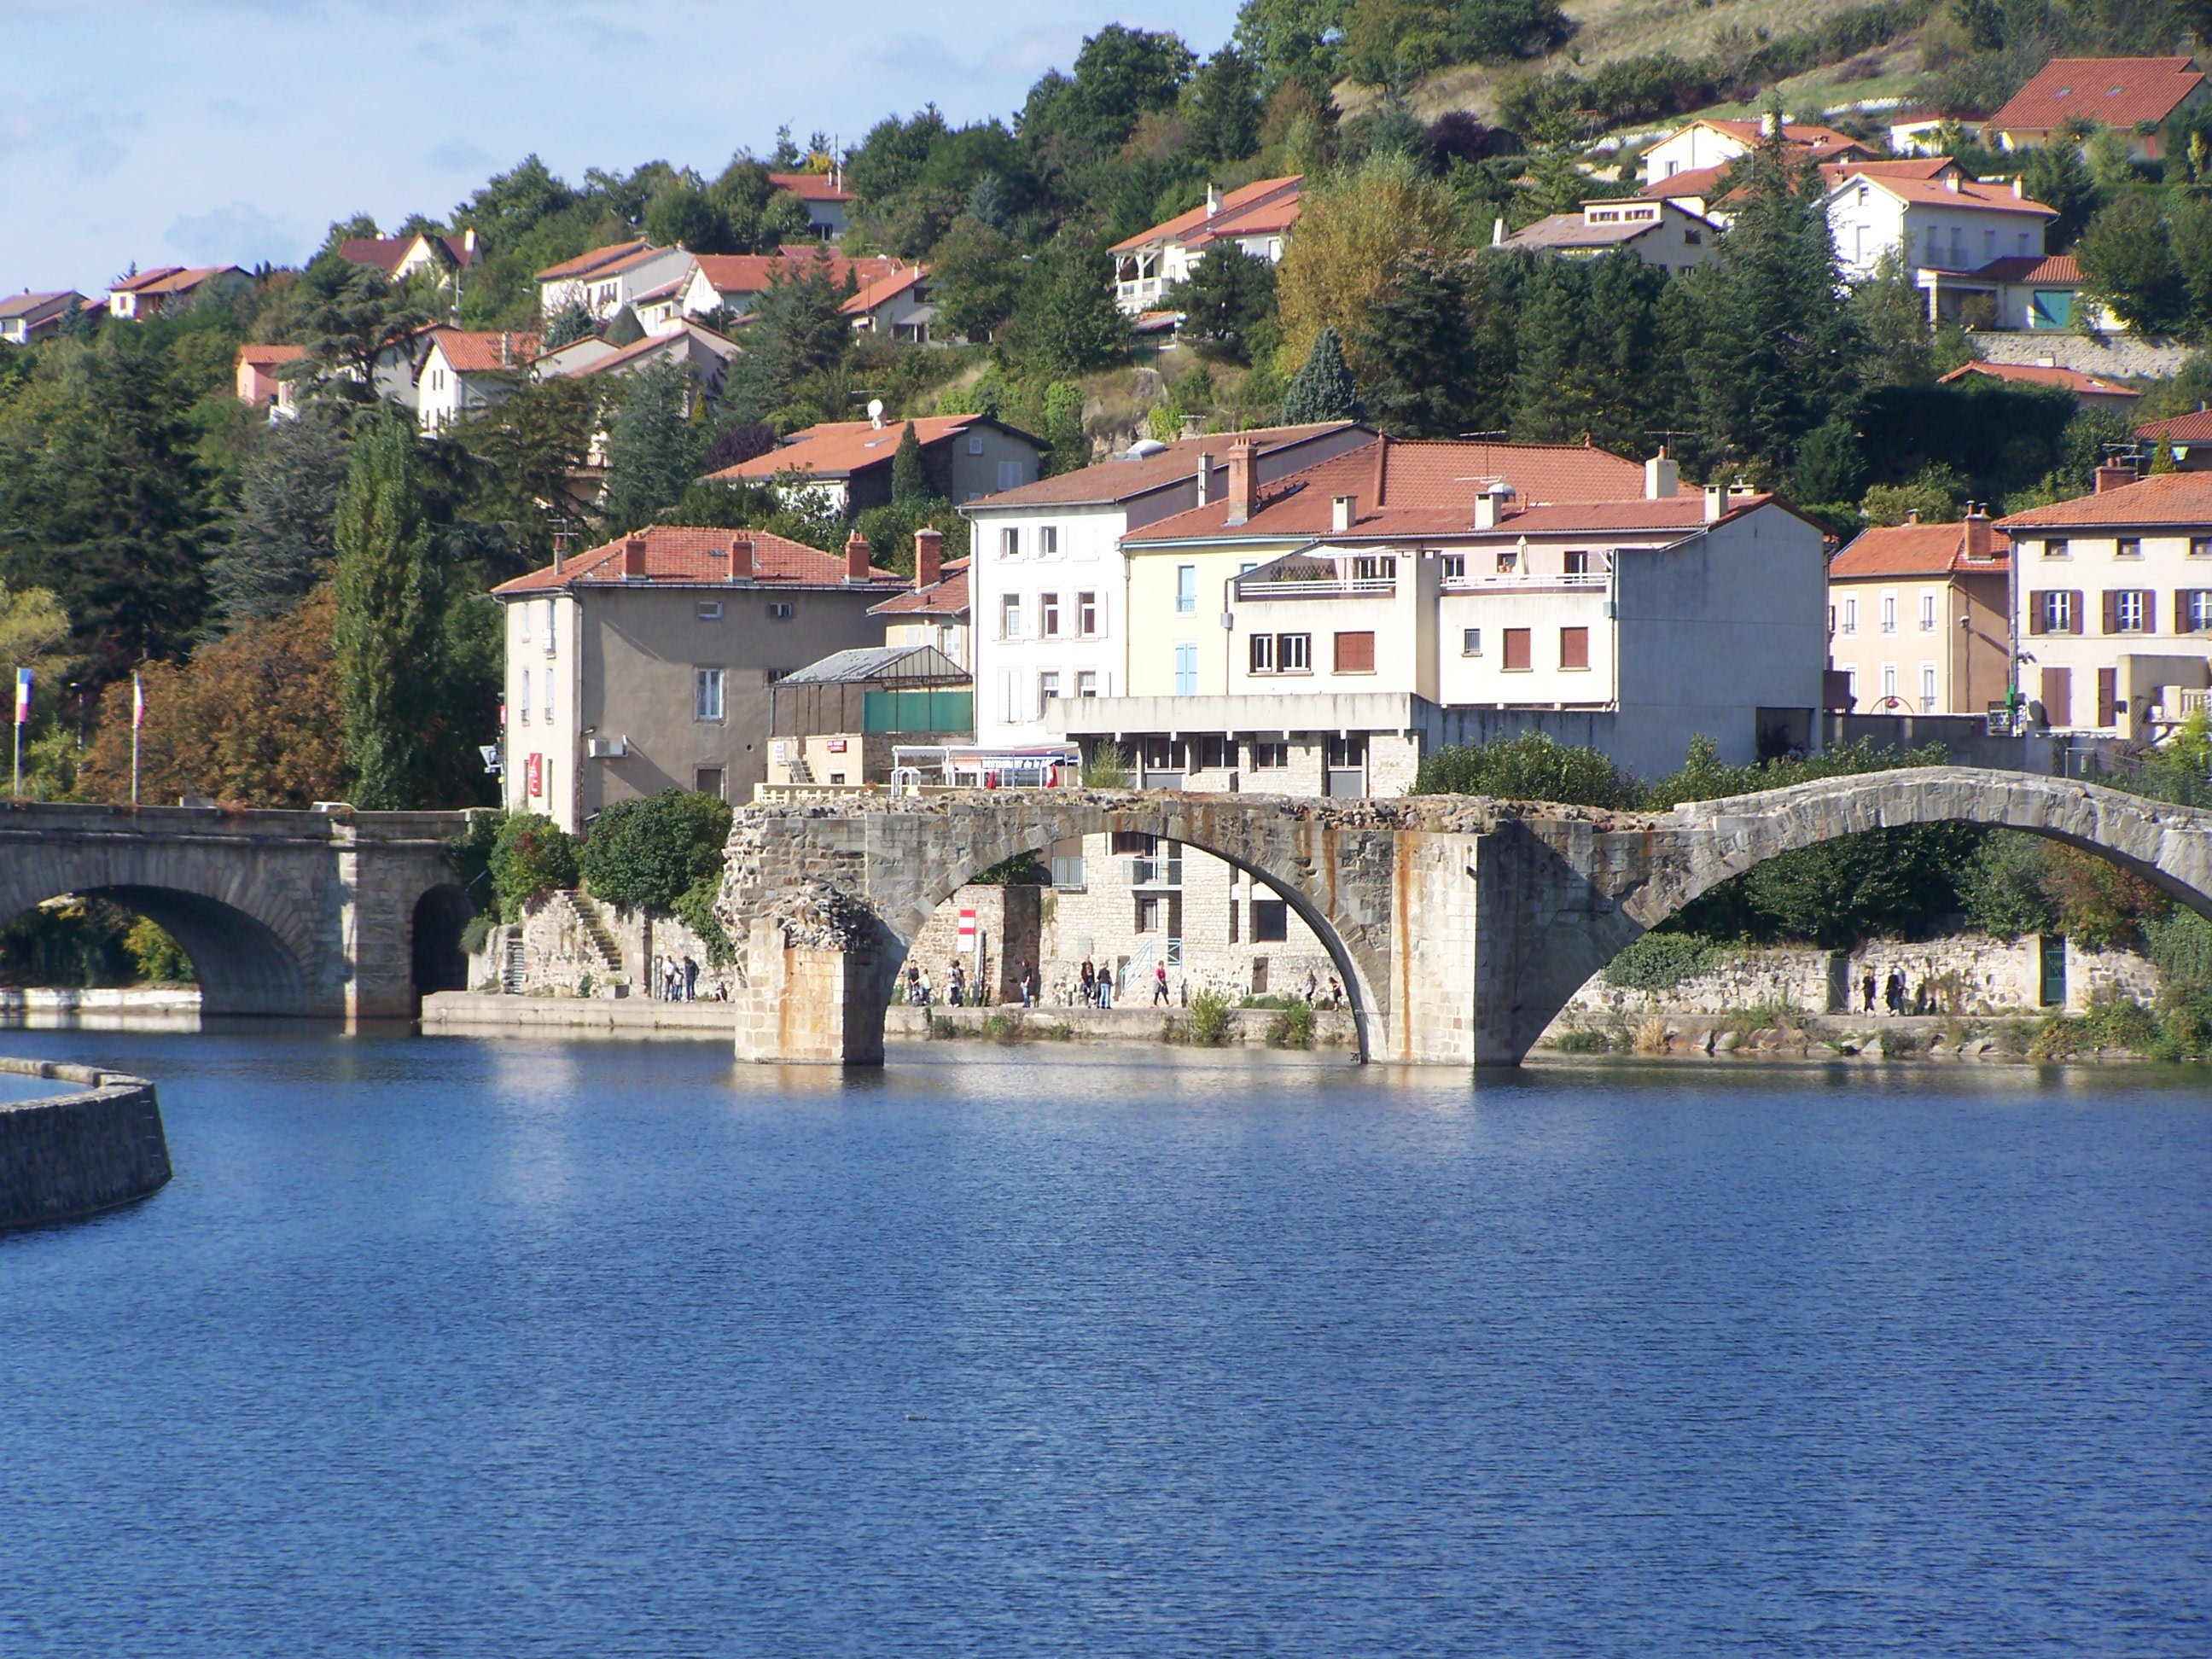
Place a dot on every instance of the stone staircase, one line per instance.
(512, 969)
(592, 927)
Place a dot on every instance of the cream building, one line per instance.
(1919, 619)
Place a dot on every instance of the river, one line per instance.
(453, 1348)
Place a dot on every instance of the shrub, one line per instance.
(1531, 767)
(160, 960)
(473, 935)
(1293, 1028)
(1580, 1043)
(1108, 768)
(2111, 1022)
(2180, 944)
(530, 855)
(1207, 1022)
(651, 853)
(1660, 962)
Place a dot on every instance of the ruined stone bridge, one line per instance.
(1460, 925)
(333, 914)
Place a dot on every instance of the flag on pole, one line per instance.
(22, 696)
(137, 701)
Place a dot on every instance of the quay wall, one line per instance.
(85, 1148)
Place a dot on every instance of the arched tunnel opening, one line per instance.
(239, 964)
(440, 963)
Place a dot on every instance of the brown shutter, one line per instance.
(1355, 653)
(2181, 611)
(2112, 611)
(2058, 695)
(2150, 609)
(2037, 601)
(1574, 648)
(2108, 695)
(1516, 649)
(2079, 621)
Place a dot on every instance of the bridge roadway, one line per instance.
(1460, 925)
(335, 915)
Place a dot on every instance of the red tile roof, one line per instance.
(171, 279)
(882, 289)
(811, 187)
(1938, 192)
(2194, 427)
(720, 345)
(2068, 380)
(837, 449)
(946, 597)
(2113, 92)
(1805, 134)
(263, 356)
(749, 273)
(1916, 549)
(1413, 487)
(1123, 480)
(600, 261)
(1917, 167)
(1266, 204)
(2167, 498)
(470, 352)
(2057, 269)
(688, 553)
(384, 253)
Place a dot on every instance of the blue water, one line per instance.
(506, 1348)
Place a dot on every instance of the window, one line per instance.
(1010, 616)
(1186, 669)
(1048, 540)
(710, 610)
(1889, 613)
(2054, 611)
(974, 443)
(2200, 547)
(1009, 543)
(1047, 691)
(1086, 615)
(1577, 564)
(1148, 913)
(2058, 548)
(1214, 754)
(1294, 653)
(1454, 567)
(708, 780)
(1574, 648)
(1368, 568)
(1507, 562)
(1516, 651)
(2128, 547)
(1355, 653)
(1693, 238)
(1988, 245)
(706, 694)
(525, 696)
(1048, 616)
(1010, 474)
(546, 714)
(1851, 613)
(781, 611)
(2192, 612)
(1260, 649)
(550, 638)
(1888, 684)
(2108, 695)
(1470, 641)
(1270, 756)
(1086, 682)
(1186, 590)
(1935, 246)
(2128, 611)
(1271, 921)
(1927, 687)
(1928, 613)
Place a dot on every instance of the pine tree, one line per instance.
(387, 634)
(280, 534)
(909, 481)
(650, 447)
(1064, 320)
(1322, 389)
(1063, 429)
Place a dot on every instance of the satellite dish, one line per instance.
(876, 412)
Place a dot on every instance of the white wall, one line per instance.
(1008, 668)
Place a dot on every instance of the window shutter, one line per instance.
(2077, 621)
(1355, 653)
(2108, 695)
(2036, 612)
(2150, 609)
(2181, 611)
(2112, 614)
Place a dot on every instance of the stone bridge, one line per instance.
(1459, 925)
(336, 914)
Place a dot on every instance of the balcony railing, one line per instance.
(1336, 588)
(1585, 581)
(1153, 872)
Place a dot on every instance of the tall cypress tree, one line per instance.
(1322, 389)
(650, 447)
(909, 481)
(387, 635)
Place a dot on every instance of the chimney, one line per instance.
(469, 244)
(1204, 476)
(929, 557)
(506, 348)
(1212, 200)
(1950, 183)
(1662, 477)
(1980, 544)
(2113, 477)
(1716, 502)
(1241, 455)
(1490, 501)
(1912, 515)
(1497, 233)
(633, 559)
(742, 568)
(1343, 509)
(2019, 193)
(856, 557)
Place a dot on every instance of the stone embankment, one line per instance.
(473, 1013)
(1248, 1028)
(80, 1150)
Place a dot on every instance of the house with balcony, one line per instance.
(1919, 619)
(1941, 224)
(607, 279)
(148, 293)
(2113, 604)
(1255, 217)
(847, 464)
(2135, 97)
(1624, 625)
(1709, 145)
(27, 316)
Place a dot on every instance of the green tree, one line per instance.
(2129, 259)
(651, 446)
(1322, 389)
(1121, 74)
(1228, 303)
(1064, 320)
(387, 633)
(976, 271)
(649, 852)
(909, 478)
(1419, 341)
(569, 325)
(280, 544)
(1221, 109)
(346, 316)
(1296, 41)
(1063, 429)
(2054, 175)
(530, 449)
(531, 855)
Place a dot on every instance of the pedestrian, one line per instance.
(929, 991)
(1159, 984)
(1894, 992)
(1335, 992)
(1029, 984)
(913, 986)
(1090, 982)
(1105, 989)
(1866, 986)
(668, 972)
(954, 985)
(1313, 986)
(690, 979)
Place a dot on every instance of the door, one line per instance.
(2054, 971)
(2058, 695)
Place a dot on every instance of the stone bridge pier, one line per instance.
(1460, 925)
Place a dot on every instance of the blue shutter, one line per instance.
(1186, 661)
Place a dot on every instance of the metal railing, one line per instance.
(1324, 588)
(1152, 872)
(1580, 581)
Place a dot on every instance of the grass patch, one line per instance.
(1581, 1042)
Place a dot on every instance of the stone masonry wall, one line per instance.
(96, 1143)
(1006, 918)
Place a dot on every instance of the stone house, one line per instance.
(645, 663)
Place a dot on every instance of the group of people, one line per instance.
(676, 979)
(962, 988)
(1922, 1001)
(1095, 986)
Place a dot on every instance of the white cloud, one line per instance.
(239, 235)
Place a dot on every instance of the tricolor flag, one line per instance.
(137, 701)
(22, 696)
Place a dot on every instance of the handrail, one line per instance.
(1336, 588)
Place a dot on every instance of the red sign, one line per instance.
(968, 930)
(533, 772)
(836, 745)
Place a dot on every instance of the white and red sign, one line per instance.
(968, 932)
(533, 772)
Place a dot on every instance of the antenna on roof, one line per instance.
(876, 413)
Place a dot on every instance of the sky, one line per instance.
(234, 131)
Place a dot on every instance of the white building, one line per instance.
(1255, 217)
(1047, 579)
(1663, 234)
(1709, 143)
(730, 283)
(1932, 214)
(462, 371)
(608, 278)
